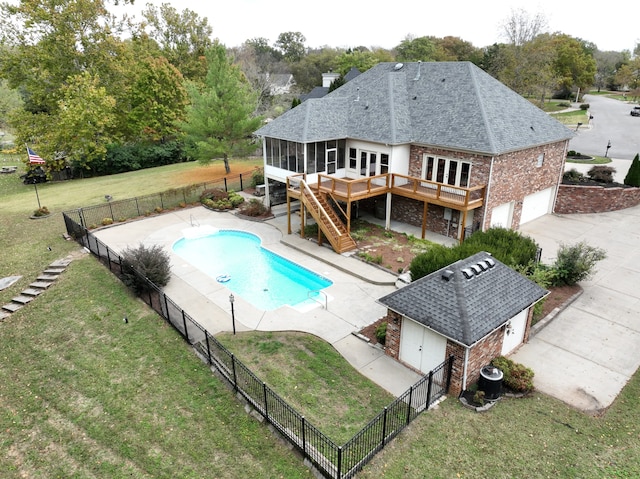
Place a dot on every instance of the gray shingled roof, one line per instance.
(466, 309)
(454, 105)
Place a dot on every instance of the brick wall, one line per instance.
(595, 199)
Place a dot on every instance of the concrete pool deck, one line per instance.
(352, 296)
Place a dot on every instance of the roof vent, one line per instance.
(398, 66)
(491, 262)
(447, 274)
(418, 73)
(484, 265)
(468, 273)
(476, 268)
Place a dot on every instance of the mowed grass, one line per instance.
(84, 395)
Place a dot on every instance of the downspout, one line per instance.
(564, 156)
(264, 167)
(484, 217)
(464, 370)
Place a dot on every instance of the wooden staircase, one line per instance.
(328, 221)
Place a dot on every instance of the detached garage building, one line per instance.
(475, 309)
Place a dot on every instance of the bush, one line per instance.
(257, 177)
(107, 221)
(219, 199)
(633, 175)
(603, 174)
(576, 263)
(517, 377)
(142, 262)
(573, 176)
(381, 332)
(585, 106)
(253, 208)
(42, 211)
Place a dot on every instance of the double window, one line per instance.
(446, 170)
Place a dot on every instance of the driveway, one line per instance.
(611, 122)
(586, 355)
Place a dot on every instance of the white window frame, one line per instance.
(446, 163)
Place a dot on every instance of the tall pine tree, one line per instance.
(221, 117)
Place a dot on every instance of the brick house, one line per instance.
(441, 145)
(474, 309)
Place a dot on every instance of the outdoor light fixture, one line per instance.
(233, 315)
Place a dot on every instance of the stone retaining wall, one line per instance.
(595, 199)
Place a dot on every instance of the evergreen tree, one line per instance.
(633, 175)
(220, 119)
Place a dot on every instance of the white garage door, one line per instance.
(536, 205)
(501, 215)
(420, 347)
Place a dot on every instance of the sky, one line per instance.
(352, 23)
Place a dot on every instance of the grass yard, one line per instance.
(82, 394)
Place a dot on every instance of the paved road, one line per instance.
(586, 355)
(611, 122)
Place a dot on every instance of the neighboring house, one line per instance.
(475, 309)
(327, 80)
(442, 145)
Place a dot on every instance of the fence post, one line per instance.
(339, 462)
(161, 202)
(266, 408)
(137, 206)
(429, 389)
(111, 211)
(449, 372)
(409, 404)
(225, 183)
(241, 188)
(109, 259)
(184, 323)
(235, 378)
(304, 437)
(384, 426)
(206, 338)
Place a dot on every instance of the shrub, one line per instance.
(381, 332)
(257, 177)
(508, 246)
(576, 263)
(585, 106)
(219, 199)
(478, 397)
(603, 174)
(142, 262)
(107, 221)
(633, 175)
(517, 377)
(42, 211)
(253, 208)
(573, 176)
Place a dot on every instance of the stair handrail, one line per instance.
(320, 208)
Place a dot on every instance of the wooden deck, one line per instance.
(348, 190)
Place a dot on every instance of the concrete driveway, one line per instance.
(586, 355)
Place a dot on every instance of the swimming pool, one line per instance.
(237, 260)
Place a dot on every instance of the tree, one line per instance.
(291, 46)
(220, 119)
(633, 175)
(574, 64)
(416, 49)
(521, 27)
(9, 101)
(183, 38)
(308, 71)
(362, 60)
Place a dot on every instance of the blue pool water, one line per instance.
(238, 261)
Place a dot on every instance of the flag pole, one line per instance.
(35, 182)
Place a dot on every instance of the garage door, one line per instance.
(501, 215)
(536, 205)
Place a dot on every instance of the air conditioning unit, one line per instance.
(260, 190)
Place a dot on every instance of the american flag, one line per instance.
(34, 159)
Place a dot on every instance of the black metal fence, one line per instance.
(334, 461)
(120, 210)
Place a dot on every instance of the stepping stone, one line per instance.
(61, 263)
(47, 277)
(53, 271)
(8, 281)
(4, 315)
(41, 284)
(12, 307)
(22, 299)
(32, 292)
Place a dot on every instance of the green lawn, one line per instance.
(82, 394)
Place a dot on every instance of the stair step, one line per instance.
(22, 299)
(47, 277)
(4, 315)
(61, 263)
(12, 307)
(32, 292)
(41, 284)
